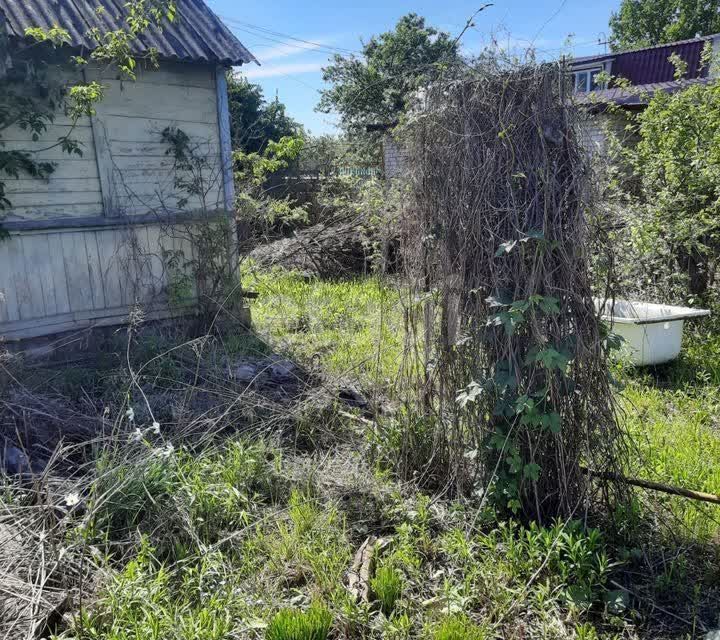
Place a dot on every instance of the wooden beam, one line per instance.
(654, 486)
(103, 158)
(103, 221)
(223, 108)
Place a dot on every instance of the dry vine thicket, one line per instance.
(499, 240)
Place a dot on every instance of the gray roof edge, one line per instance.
(196, 35)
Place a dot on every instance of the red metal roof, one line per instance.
(653, 65)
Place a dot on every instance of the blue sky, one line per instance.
(291, 68)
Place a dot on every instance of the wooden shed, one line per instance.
(91, 240)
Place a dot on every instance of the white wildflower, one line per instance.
(166, 451)
(130, 414)
(71, 499)
(137, 436)
(155, 428)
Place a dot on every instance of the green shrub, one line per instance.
(387, 585)
(291, 624)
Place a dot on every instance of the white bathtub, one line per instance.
(652, 332)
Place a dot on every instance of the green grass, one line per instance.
(458, 628)
(673, 414)
(275, 565)
(356, 328)
(387, 585)
(243, 539)
(350, 328)
(291, 624)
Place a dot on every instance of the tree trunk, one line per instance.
(695, 264)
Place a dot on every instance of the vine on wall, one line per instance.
(33, 91)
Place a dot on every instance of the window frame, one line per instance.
(589, 71)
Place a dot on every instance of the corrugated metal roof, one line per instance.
(637, 96)
(653, 65)
(609, 56)
(196, 35)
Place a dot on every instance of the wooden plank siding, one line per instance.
(143, 174)
(66, 276)
(87, 244)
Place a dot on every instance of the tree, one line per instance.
(376, 87)
(677, 160)
(644, 23)
(253, 121)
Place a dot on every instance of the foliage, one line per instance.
(291, 624)
(211, 538)
(677, 168)
(211, 268)
(644, 23)
(253, 121)
(377, 87)
(325, 154)
(387, 585)
(501, 260)
(255, 168)
(260, 212)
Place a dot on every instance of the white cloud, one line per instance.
(271, 71)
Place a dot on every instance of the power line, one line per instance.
(290, 37)
(284, 38)
(285, 42)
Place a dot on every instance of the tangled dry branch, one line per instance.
(498, 241)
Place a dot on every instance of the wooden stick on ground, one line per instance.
(655, 486)
(363, 568)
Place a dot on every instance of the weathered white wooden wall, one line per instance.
(88, 243)
(53, 281)
(138, 173)
(597, 127)
(73, 189)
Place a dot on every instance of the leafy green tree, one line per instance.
(677, 161)
(376, 87)
(255, 122)
(644, 23)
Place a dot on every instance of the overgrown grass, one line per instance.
(351, 328)
(253, 563)
(673, 412)
(244, 537)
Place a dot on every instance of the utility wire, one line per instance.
(284, 38)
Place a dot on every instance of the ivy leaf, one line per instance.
(468, 395)
(554, 422)
(534, 234)
(515, 463)
(498, 441)
(532, 471)
(579, 596)
(549, 305)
